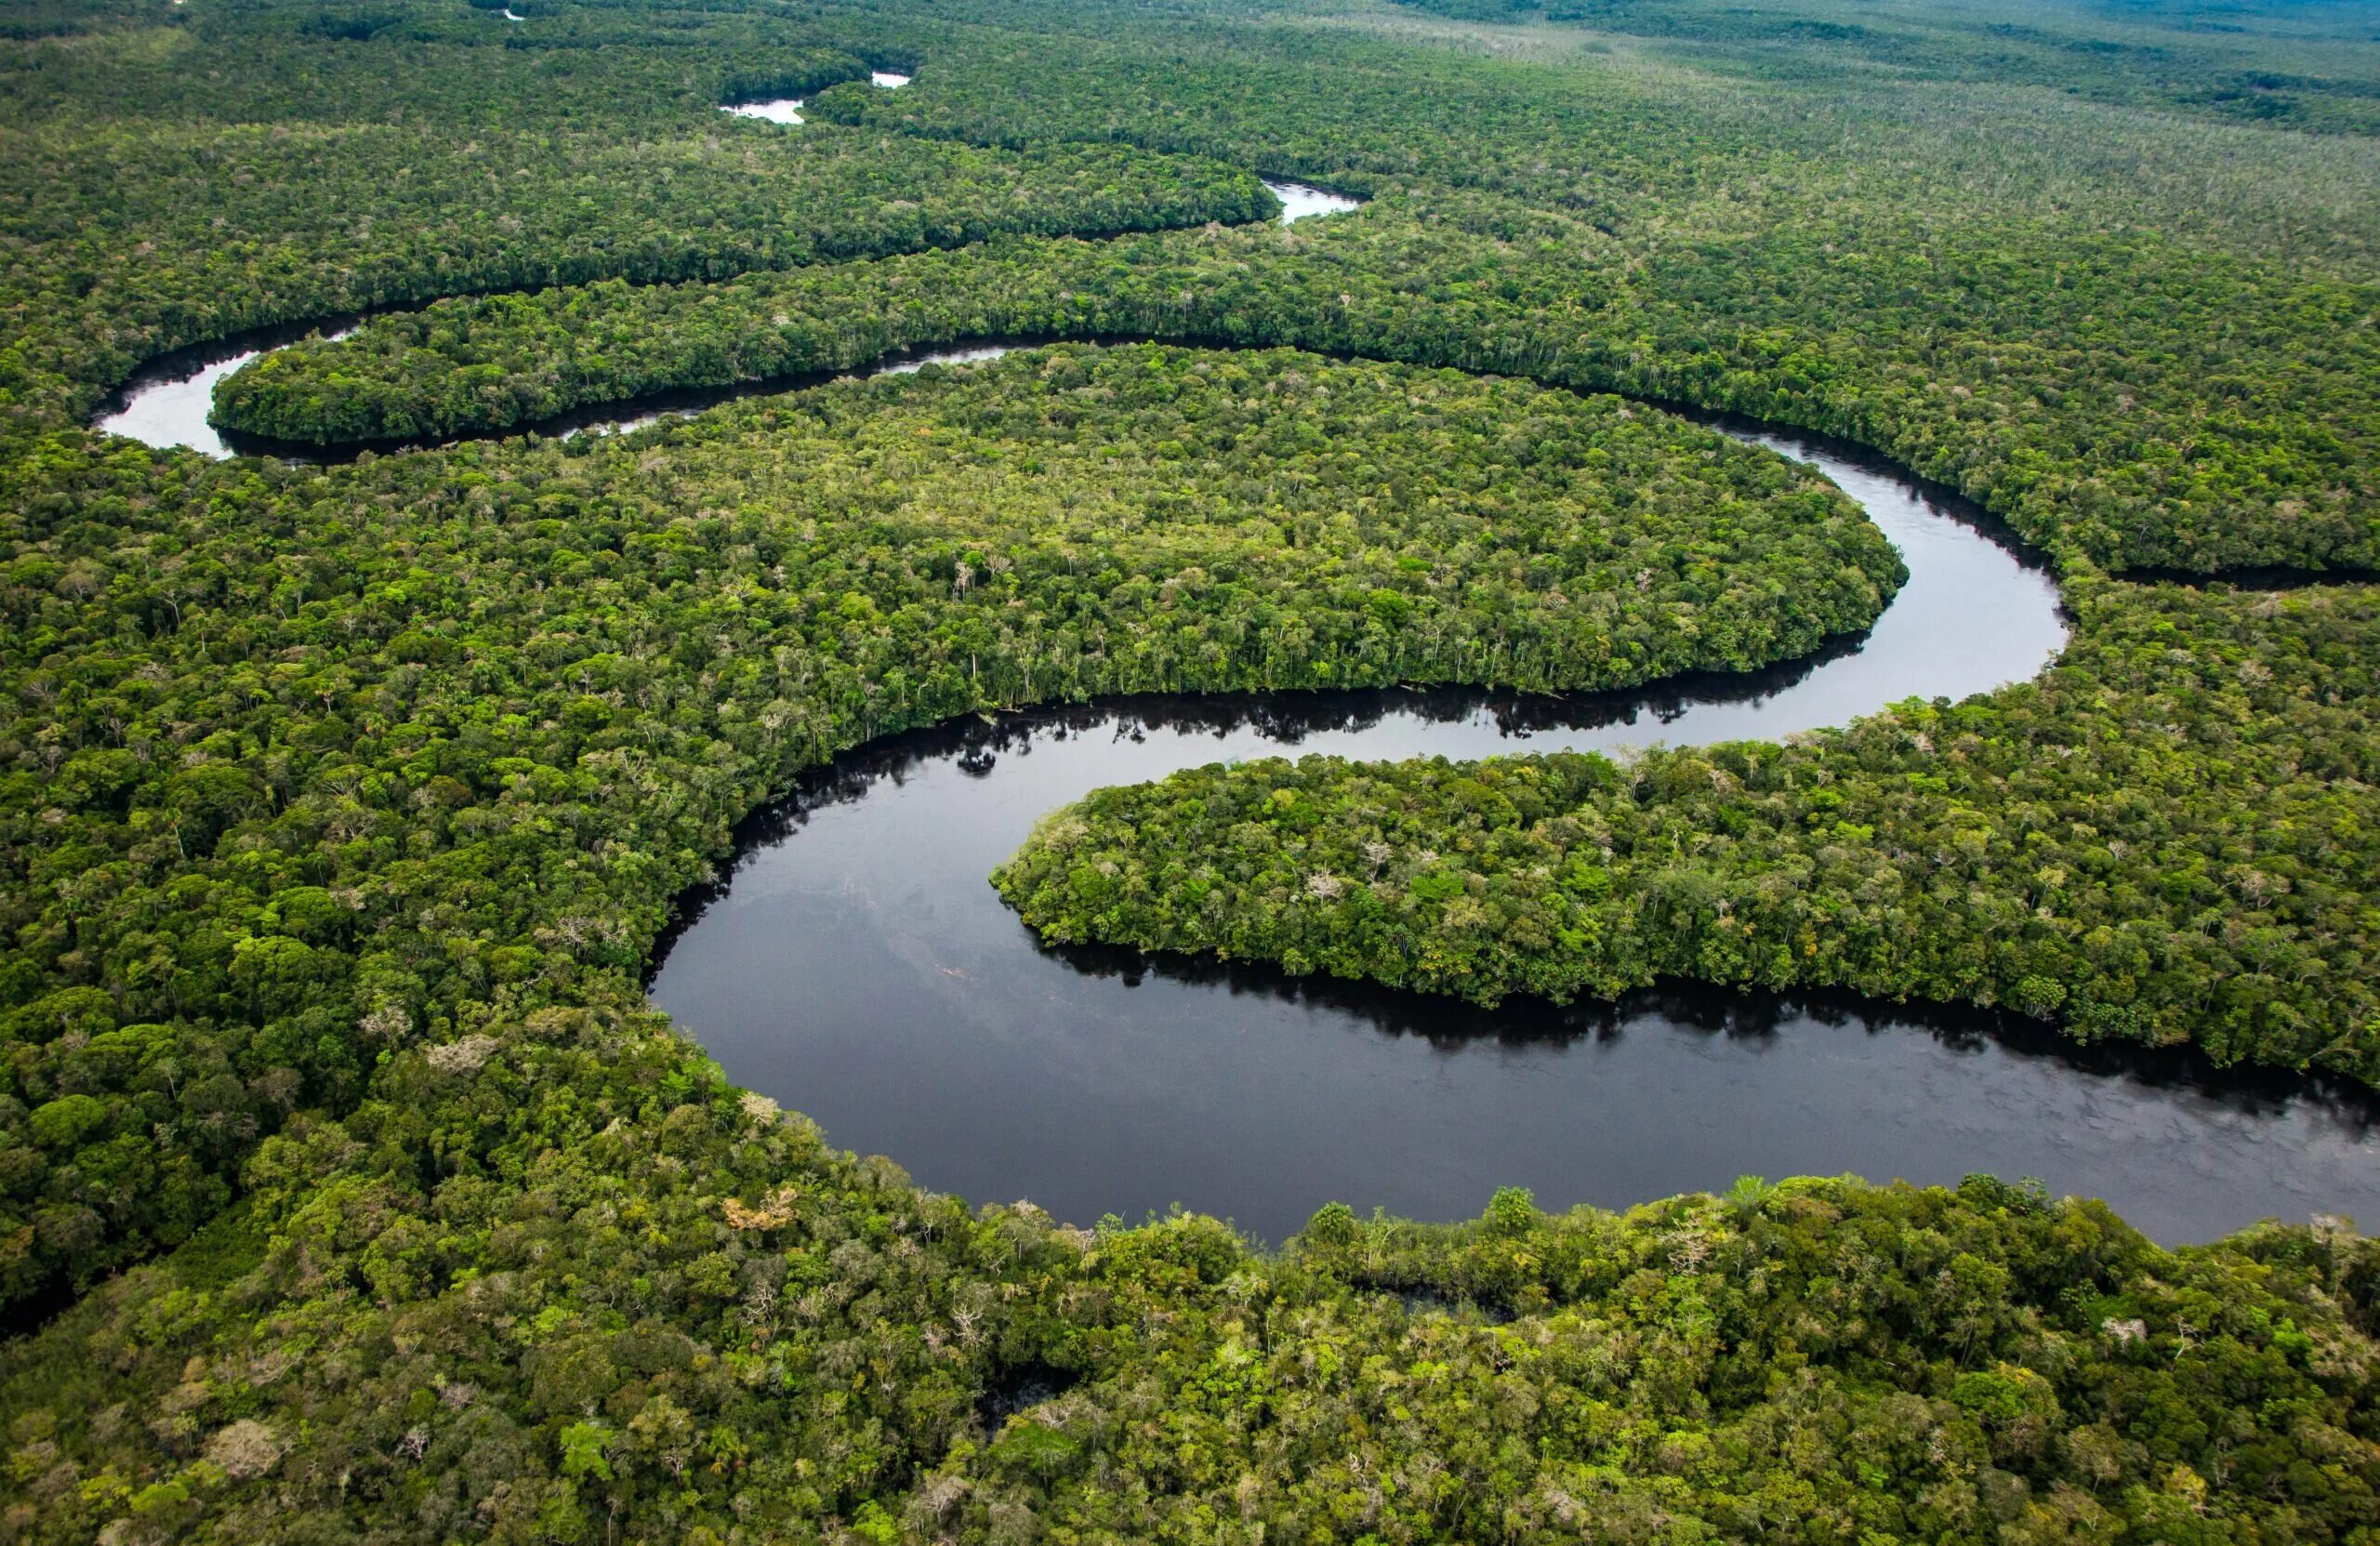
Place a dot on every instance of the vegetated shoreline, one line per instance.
(697, 398)
(182, 361)
(497, 367)
(920, 679)
(676, 404)
(679, 403)
(687, 402)
(1969, 511)
(825, 1047)
(543, 1273)
(2175, 1061)
(744, 390)
(1581, 885)
(269, 334)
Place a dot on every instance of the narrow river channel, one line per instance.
(856, 966)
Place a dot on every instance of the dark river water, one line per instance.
(857, 966)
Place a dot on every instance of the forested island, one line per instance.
(352, 1188)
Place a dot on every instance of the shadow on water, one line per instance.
(181, 411)
(182, 364)
(1751, 1018)
(165, 402)
(867, 975)
(975, 743)
(2262, 576)
(864, 972)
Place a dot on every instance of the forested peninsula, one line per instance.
(1951, 852)
(411, 781)
(351, 1189)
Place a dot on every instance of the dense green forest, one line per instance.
(2148, 406)
(154, 205)
(557, 1281)
(2165, 837)
(493, 710)
(2290, 68)
(349, 1189)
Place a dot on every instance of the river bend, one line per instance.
(857, 966)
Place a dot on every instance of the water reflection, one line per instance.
(777, 109)
(866, 974)
(166, 401)
(170, 409)
(1300, 200)
(854, 964)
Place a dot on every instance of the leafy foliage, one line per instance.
(342, 804)
(2168, 837)
(194, 205)
(2156, 444)
(453, 729)
(2308, 71)
(626, 1300)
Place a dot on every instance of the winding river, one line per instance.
(166, 401)
(788, 110)
(855, 965)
